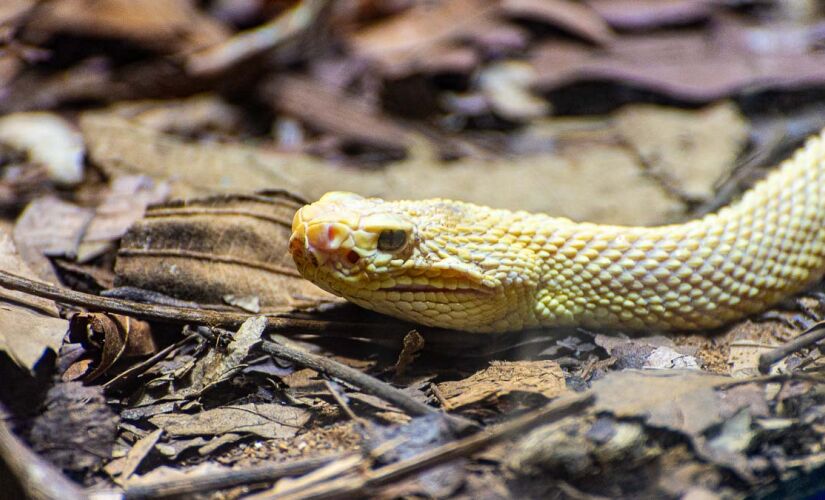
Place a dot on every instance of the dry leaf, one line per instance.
(52, 227)
(269, 420)
(646, 14)
(690, 152)
(25, 336)
(123, 205)
(106, 338)
(137, 454)
(330, 110)
(571, 16)
(679, 400)
(203, 250)
(502, 378)
(172, 25)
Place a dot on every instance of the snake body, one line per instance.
(462, 266)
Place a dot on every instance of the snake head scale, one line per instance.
(420, 261)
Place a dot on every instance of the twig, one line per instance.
(284, 349)
(39, 479)
(231, 478)
(349, 487)
(178, 314)
(810, 337)
(339, 399)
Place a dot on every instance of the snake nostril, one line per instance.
(352, 256)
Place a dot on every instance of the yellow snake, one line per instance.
(456, 265)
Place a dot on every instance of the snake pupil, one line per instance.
(391, 239)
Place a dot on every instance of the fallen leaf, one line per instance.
(26, 336)
(401, 42)
(647, 14)
(106, 338)
(52, 227)
(502, 378)
(204, 250)
(674, 399)
(124, 204)
(270, 421)
(77, 430)
(175, 25)
(11, 262)
(330, 110)
(575, 17)
(692, 67)
(689, 152)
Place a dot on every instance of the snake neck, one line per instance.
(700, 274)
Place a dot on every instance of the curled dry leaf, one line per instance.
(504, 377)
(106, 338)
(203, 250)
(48, 140)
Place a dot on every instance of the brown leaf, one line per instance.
(113, 336)
(574, 17)
(11, 262)
(689, 66)
(646, 14)
(676, 399)
(402, 42)
(120, 146)
(174, 25)
(271, 421)
(330, 110)
(502, 378)
(688, 152)
(203, 250)
(52, 227)
(124, 204)
(25, 337)
(77, 430)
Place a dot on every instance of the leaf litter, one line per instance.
(192, 131)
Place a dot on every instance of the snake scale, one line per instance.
(462, 266)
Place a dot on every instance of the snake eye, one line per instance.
(391, 239)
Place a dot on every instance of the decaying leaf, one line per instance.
(674, 399)
(52, 227)
(502, 378)
(176, 25)
(77, 429)
(120, 146)
(266, 420)
(138, 453)
(10, 261)
(26, 336)
(124, 204)
(204, 250)
(107, 337)
(689, 154)
(330, 110)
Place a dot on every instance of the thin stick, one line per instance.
(177, 314)
(228, 479)
(362, 485)
(810, 337)
(284, 349)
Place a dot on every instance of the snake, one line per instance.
(462, 266)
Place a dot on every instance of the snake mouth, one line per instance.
(428, 288)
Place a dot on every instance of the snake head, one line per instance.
(391, 257)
